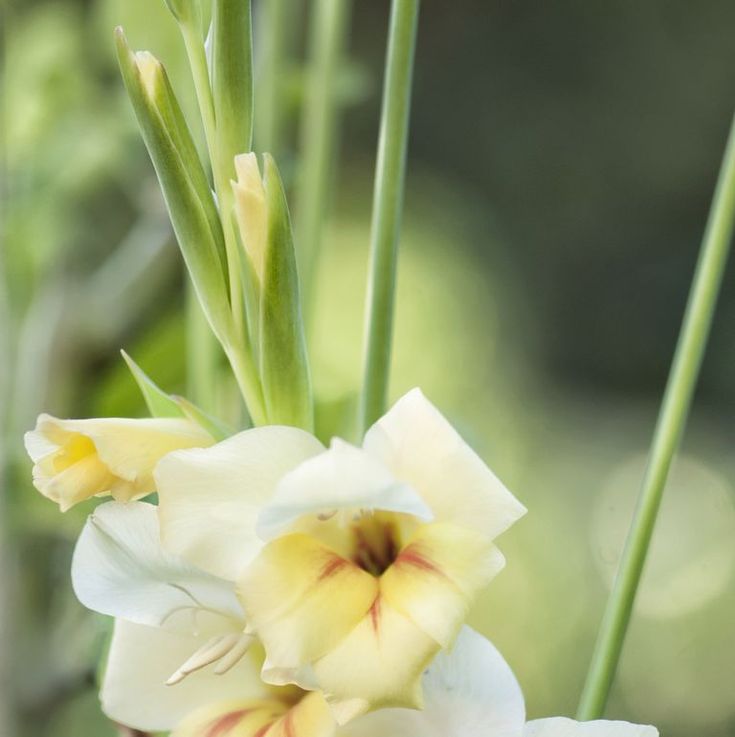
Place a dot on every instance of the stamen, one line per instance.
(213, 650)
(324, 516)
(236, 654)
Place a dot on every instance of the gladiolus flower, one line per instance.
(77, 459)
(472, 692)
(355, 566)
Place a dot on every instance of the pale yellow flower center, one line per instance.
(76, 447)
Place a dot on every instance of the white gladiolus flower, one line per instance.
(368, 555)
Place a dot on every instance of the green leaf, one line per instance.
(161, 404)
(183, 181)
(158, 402)
(283, 359)
(216, 428)
(232, 79)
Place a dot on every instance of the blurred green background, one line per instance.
(561, 164)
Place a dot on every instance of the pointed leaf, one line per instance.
(284, 364)
(217, 429)
(158, 402)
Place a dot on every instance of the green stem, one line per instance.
(669, 428)
(329, 23)
(269, 88)
(387, 206)
(201, 355)
(240, 353)
(243, 370)
(197, 57)
(200, 73)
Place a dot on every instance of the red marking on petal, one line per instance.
(375, 615)
(288, 726)
(224, 724)
(334, 564)
(413, 557)
(263, 730)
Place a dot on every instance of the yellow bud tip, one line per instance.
(248, 171)
(150, 69)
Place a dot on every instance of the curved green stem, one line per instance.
(239, 352)
(669, 427)
(200, 73)
(319, 137)
(387, 206)
(273, 39)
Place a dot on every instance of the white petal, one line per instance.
(469, 692)
(563, 727)
(142, 658)
(341, 478)
(119, 568)
(210, 498)
(422, 449)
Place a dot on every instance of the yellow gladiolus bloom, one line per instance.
(77, 459)
(355, 566)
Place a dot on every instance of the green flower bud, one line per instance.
(264, 227)
(184, 183)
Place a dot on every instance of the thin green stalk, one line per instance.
(200, 73)
(387, 206)
(201, 355)
(319, 136)
(273, 37)
(240, 355)
(666, 437)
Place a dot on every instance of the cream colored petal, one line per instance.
(77, 459)
(378, 665)
(234, 718)
(84, 479)
(563, 727)
(131, 448)
(38, 444)
(142, 658)
(210, 499)
(309, 717)
(301, 599)
(342, 478)
(468, 692)
(423, 450)
(120, 568)
(436, 577)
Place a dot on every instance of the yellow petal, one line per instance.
(437, 575)
(77, 459)
(379, 664)
(236, 718)
(309, 716)
(302, 598)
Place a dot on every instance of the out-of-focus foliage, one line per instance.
(562, 161)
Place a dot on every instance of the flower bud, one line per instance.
(184, 183)
(264, 227)
(78, 459)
